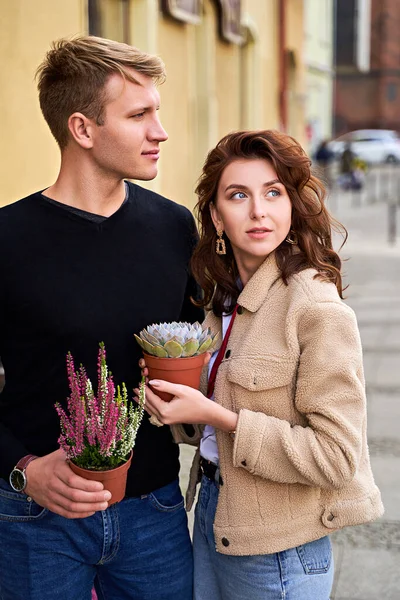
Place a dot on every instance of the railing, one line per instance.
(381, 183)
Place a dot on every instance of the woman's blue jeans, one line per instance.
(138, 549)
(302, 573)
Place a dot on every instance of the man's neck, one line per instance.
(82, 188)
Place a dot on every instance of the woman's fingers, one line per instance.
(153, 405)
(187, 404)
(144, 369)
(154, 402)
(165, 386)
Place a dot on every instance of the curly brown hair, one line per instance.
(311, 221)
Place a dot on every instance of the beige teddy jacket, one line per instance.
(298, 467)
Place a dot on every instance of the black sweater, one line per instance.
(68, 283)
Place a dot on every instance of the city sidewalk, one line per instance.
(367, 558)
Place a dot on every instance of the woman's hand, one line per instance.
(187, 406)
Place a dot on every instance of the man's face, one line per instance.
(127, 144)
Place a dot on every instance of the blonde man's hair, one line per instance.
(73, 75)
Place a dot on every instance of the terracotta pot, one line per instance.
(114, 480)
(185, 371)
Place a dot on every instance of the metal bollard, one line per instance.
(377, 185)
(392, 222)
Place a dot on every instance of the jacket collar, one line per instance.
(257, 288)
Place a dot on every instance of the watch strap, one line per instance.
(24, 462)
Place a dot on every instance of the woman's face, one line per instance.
(254, 210)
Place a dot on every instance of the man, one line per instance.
(91, 258)
(350, 177)
(324, 158)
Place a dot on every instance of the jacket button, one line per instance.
(244, 463)
(330, 517)
(225, 542)
(240, 310)
(227, 354)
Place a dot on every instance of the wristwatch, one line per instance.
(17, 476)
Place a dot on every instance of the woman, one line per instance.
(283, 456)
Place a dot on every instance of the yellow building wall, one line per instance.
(29, 157)
(212, 87)
(261, 21)
(229, 90)
(175, 179)
(296, 78)
(319, 69)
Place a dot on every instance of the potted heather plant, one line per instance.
(98, 432)
(175, 352)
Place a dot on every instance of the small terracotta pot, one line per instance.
(185, 371)
(114, 480)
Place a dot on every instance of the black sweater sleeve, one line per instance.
(11, 449)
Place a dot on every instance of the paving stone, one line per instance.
(371, 335)
(386, 471)
(378, 316)
(371, 367)
(392, 336)
(388, 373)
(365, 574)
(379, 535)
(384, 447)
(383, 417)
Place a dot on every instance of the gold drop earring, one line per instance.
(292, 238)
(220, 247)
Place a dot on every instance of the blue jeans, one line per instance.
(138, 549)
(302, 573)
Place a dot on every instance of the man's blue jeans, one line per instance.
(138, 549)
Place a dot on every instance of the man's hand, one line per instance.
(53, 485)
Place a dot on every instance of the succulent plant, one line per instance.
(176, 340)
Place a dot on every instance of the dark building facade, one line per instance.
(367, 92)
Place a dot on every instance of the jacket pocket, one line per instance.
(257, 374)
(17, 507)
(263, 385)
(353, 512)
(316, 556)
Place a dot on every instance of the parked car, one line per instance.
(370, 145)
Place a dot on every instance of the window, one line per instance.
(109, 19)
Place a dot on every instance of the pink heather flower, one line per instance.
(91, 414)
(101, 423)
